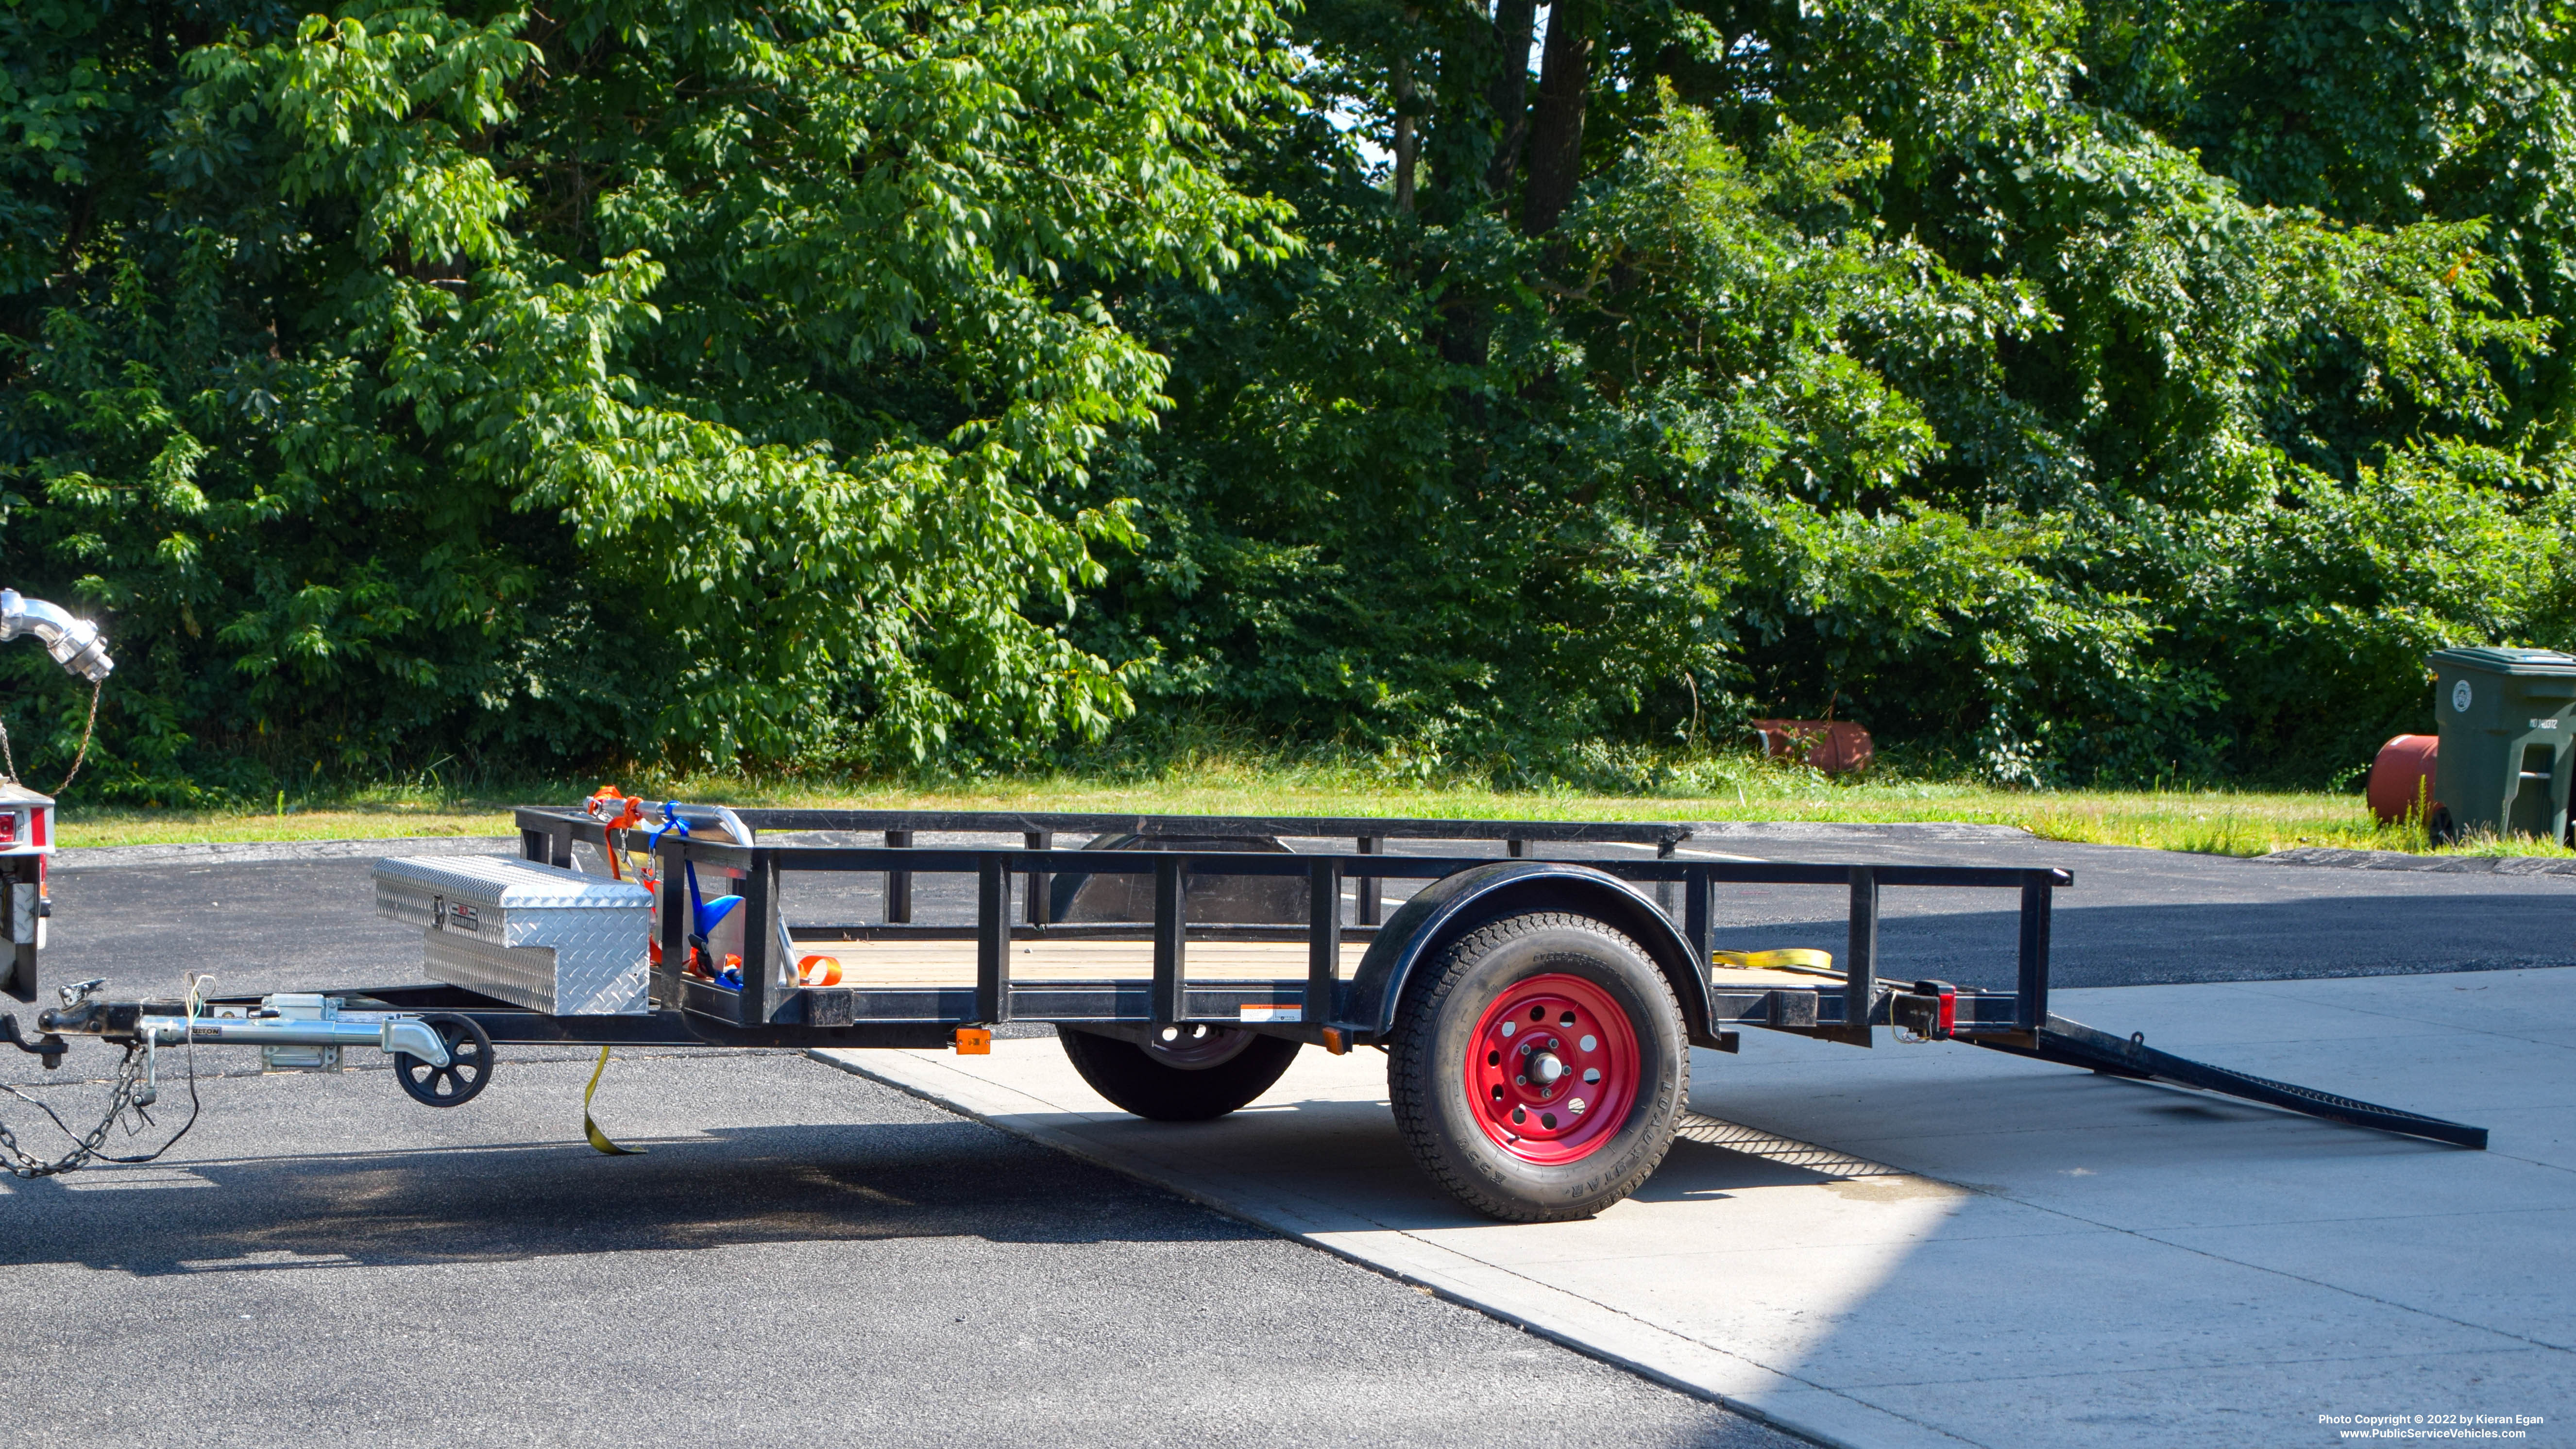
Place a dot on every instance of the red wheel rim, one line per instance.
(1552, 1069)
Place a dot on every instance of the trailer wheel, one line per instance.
(1198, 1073)
(1539, 1067)
(469, 1064)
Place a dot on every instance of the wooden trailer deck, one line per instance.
(899, 965)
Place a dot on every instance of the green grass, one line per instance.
(1701, 788)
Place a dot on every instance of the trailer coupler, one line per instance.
(288, 1021)
(2072, 1043)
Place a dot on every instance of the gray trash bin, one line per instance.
(2508, 719)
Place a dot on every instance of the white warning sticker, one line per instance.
(1271, 1011)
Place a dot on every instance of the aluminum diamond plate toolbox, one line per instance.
(551, 940)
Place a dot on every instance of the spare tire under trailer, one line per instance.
(1190, 1073)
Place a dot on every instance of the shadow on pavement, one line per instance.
(498, 1203)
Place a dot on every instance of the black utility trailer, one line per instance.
(1536, 1013)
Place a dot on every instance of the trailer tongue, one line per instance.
(1536, 1013)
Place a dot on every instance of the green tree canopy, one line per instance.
(2007, 375)
(2101, 389)
(689, 375)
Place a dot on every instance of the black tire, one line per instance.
(469, 1064)
(1236, 1066)
(1439, 1020)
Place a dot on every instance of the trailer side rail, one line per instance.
(549, 836)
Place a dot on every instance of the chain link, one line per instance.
(122, 1103)
(26, 1167)
(89, 727)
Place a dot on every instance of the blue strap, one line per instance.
(670, 822)
(704, 915)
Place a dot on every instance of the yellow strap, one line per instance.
(1793, 958)
(599, 1139)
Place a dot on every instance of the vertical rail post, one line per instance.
(676, 924)
(992, 939)
(1699, 926)
(759, 936)
(1323, 940)
(1364, 912)
(1664, 890)
(1860, 964)
(1516, 849)
(898, 882)
(1171, 940)
(1041, 884)
(551, 845)
(2030, 996)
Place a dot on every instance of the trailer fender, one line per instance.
(1453, 905)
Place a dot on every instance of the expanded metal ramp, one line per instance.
(2072, 1043)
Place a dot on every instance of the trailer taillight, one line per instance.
(8, 827)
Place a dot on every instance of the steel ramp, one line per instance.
(2072, 1043)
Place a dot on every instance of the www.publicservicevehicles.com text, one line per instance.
(2434, 1426)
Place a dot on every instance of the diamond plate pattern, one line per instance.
(552, 940)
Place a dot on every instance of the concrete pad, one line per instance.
(2514, 1003)
(1940, 1245)
(2543, 1135)
(2442, 1271)
(2238, 1407)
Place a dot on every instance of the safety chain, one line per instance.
(27, 1167)
(134, 1092)
(88, 728)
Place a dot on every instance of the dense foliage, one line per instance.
(2110, 390)
(2103, 390)
(679, 376)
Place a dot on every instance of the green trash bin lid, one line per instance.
(2491, 660)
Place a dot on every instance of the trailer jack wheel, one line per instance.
(469, 1064)
(1539, 1068)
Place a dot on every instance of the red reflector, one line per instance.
(44, 823)
(1949, 1011)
